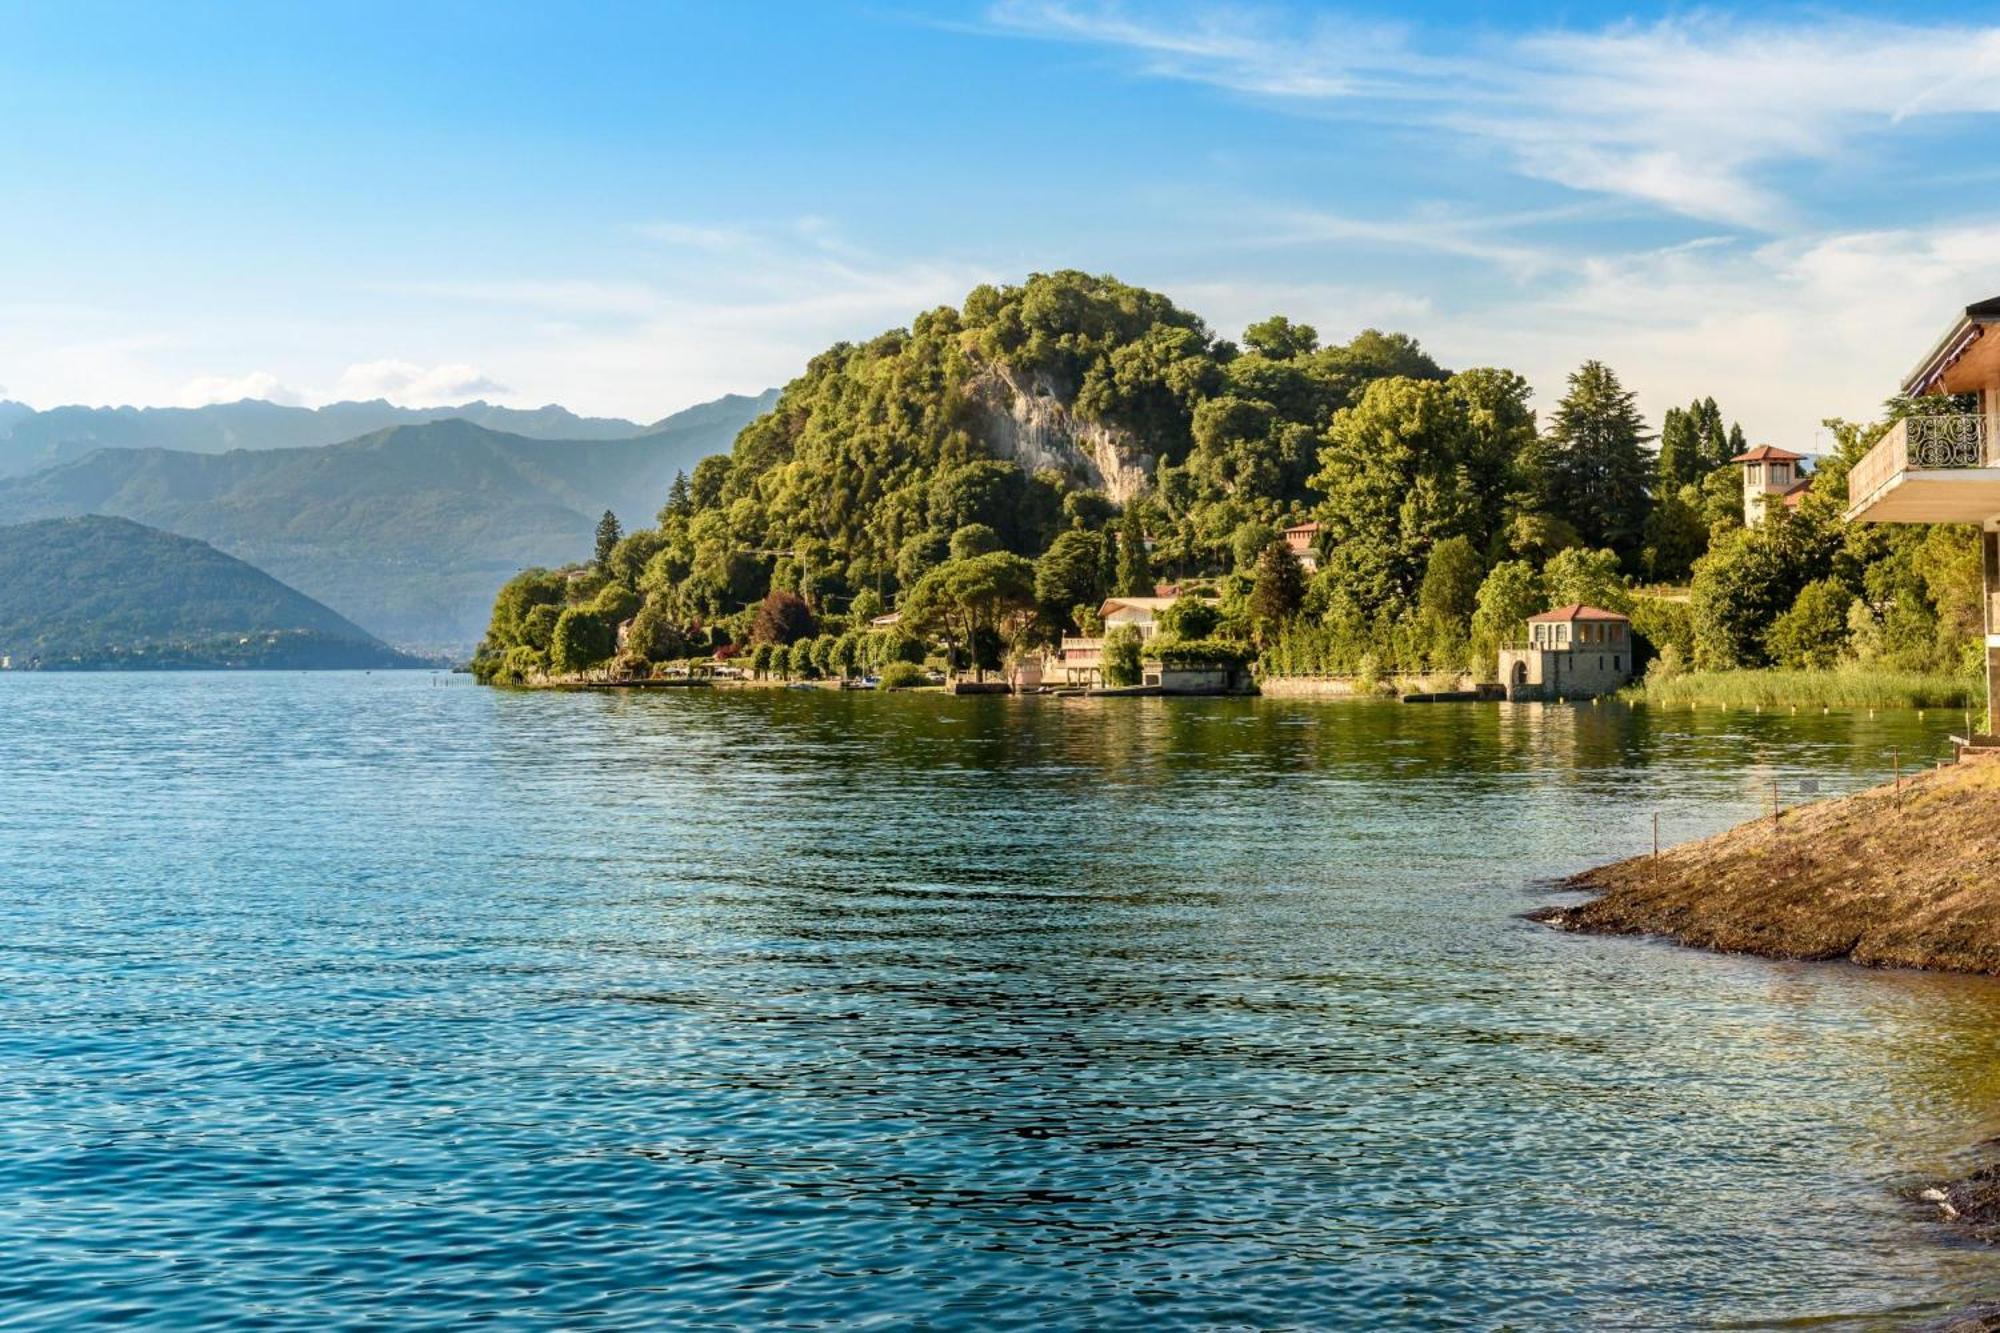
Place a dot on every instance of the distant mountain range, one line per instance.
(406, 530)
(106, 593)
(32, 440)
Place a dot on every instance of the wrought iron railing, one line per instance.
(1923, 444)
(1959, 440)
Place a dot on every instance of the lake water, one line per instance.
(341, 1000)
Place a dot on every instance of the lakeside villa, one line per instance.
(1572, 652)
(1946, 468)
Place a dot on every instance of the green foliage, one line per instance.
(1190, 617)
(1449, 598)
(1664, 628)
(760, 659)
(608, 535)
(1813, 633)
(972, 602)
(1587, 577)
(1121, 657)
(1067, 576)
(656, 635)
(1512, 591)
(1135, 570)
(902, 676)
(1278, 590)
(582, 640)
(1198, 651)
(1591, 469)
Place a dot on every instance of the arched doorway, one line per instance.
(1520, 674)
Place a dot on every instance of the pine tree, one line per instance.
(1107, 563)
(680, 498)
(608, 533)
(1135, 568)
(1593, 463)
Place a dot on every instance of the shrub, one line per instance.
(1121, 656)
(902, 676)
(1199, 652)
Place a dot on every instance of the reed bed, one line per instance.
(1845, 688)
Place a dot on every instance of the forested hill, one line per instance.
(99, 593)
(997, 469)
(31, 440)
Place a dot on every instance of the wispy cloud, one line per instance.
(410, 385)
(1691, 115)
(206, 389)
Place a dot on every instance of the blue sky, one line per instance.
(630, 207)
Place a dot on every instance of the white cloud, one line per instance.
(410, 385)
(1690, 115)
(206, 389)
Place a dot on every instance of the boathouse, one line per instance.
(1573, 652)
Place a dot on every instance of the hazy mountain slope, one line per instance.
(31, 440)
(407, 531)
(98, 592)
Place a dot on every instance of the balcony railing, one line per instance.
(1922, 444)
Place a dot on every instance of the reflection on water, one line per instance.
(358, 998)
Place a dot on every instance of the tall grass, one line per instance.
(1846, 688)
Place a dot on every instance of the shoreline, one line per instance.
(1900, 875)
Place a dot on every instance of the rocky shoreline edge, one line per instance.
(1906, 874)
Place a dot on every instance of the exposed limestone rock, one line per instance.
(1027, 418)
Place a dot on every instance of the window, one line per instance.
(1614, 663)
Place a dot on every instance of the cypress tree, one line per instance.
(1135, 568)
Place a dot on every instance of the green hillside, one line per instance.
(995, 470)
(99, 593)
(407, 530)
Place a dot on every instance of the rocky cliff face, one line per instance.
(1027, 418)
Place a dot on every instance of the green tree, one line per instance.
(1067, 574)
(1395, 485)
(581, 641)
(1813, 634)
(973, 539)
(1589, 578)
(1511, 592)
(760, 660)
(1448, 598)
(680, 499)
(1190, 617)
(1280, 339)
(1121, 656)
(1591, 468)
(1135, 569)
(656, 635)
(972, 601)
(608, 533)
(1277, 590)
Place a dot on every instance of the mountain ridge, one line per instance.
(406, 530)
(31, 440)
